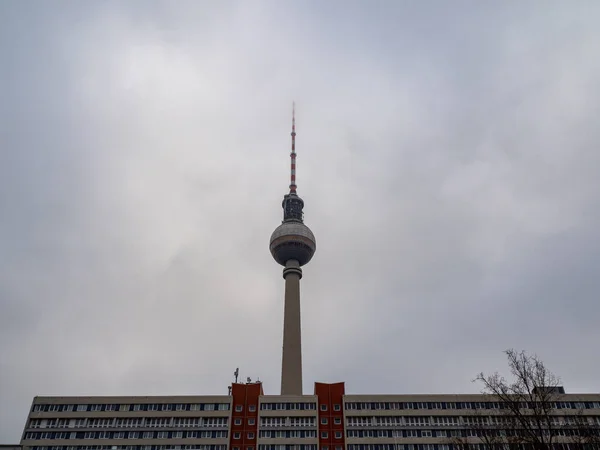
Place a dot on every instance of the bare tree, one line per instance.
(529, 399)
(528, 415)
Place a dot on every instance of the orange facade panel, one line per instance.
(331, 415)
(244, 416)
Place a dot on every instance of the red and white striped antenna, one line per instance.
(293, 154)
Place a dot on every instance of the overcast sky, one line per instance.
(447, 156)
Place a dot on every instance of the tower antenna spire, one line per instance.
(293, 153)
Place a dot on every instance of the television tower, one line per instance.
(292, 245)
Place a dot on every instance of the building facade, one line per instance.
(249, 420)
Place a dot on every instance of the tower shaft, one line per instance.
(291, 364)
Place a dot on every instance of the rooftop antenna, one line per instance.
(248, 380)
(236, 373)
(293, 154)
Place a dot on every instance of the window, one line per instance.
(252, 408)
(337, 420)
(238, 421)
(339, 448)
(338, 434)
(236, 435)
(337, 407)
(250, 435)
(148, 435)
(251, 421)
(324, 435)
(426, 433)
(163, 435)
(236, 448)
(323, 407)
(323, 420)
(417, 421)
(239, 408)
(81, 407)
(249, 448)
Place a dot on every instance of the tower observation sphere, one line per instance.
(292, 240)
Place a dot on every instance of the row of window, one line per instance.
(266, 422)
(387, 421)
(336, 421)
(446, 421)
(288, 406)
(406, 447)
(289, 447)
(281, 434)
(556, 446)
(265, 434)
(251, 421)
(290, 434)
(449, 433)
(288, 422)
(33, 435)
(240, 408)
(459, 405)
(129, 447)
(131, 422)
(295, 406)
(404, 433)
(133, 407)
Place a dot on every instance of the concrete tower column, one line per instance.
(291, 365)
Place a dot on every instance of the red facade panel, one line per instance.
(331, 415)
(244, 416)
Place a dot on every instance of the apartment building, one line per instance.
(249, 420)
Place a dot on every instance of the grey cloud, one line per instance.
(446, 157)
